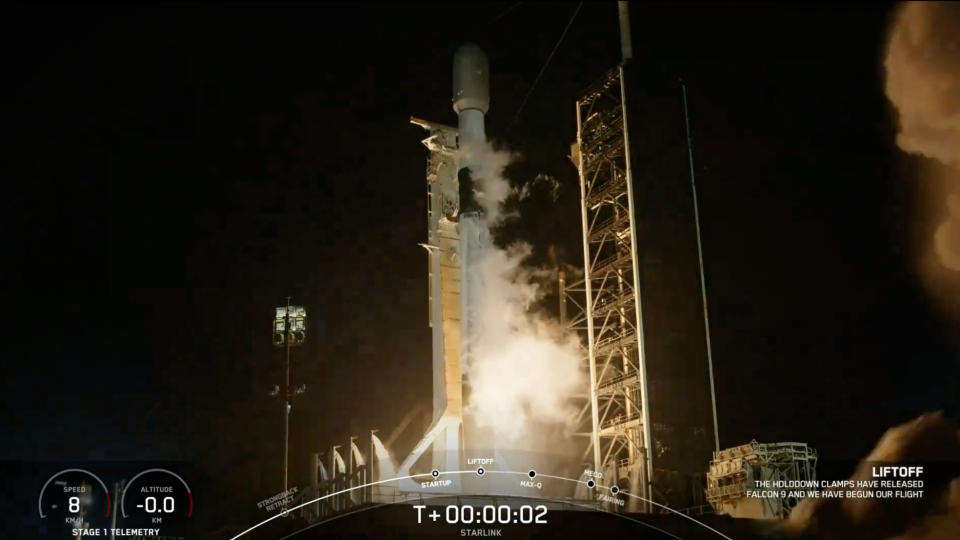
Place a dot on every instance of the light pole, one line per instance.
(84, 501)
(289, 330)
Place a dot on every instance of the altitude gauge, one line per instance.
(74, 496)
(156, 497)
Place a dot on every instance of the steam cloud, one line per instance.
(923, 83)
(486, 168)
(927, 439)
(524, 366)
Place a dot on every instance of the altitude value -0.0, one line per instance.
(150, 505)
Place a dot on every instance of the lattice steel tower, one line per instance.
(618, 404)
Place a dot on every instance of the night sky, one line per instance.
(178, 171)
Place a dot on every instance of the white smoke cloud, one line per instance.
(524, 366)
(923, 83)
(490, 186)
(524, 369)
(525, 190)
(927, 439)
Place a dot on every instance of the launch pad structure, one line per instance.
(607, 299)
(606, 310)
(650, 397)
(610, 311)
(735, 471)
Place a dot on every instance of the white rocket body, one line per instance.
(471, 101)
(471, 93)
(457, 237)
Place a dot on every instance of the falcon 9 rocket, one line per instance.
(455, 241)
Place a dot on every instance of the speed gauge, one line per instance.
(73, 496)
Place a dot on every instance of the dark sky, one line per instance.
(178, 171)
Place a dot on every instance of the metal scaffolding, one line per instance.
(609, 309)
(736, 470)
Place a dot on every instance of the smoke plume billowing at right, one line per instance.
(923, 83)
(929, 439)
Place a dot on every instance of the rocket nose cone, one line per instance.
(471, 82)
(470, 50)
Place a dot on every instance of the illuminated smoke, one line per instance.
(383, 458)
(524, 367)
(923, 83)
(486, 170)
(927, 439)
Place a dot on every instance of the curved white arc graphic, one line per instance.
(444, 496)
(702, 524)
(473, 471)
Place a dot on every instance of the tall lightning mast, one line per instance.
(703, 280)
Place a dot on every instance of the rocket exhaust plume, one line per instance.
(519, 366)
(923, 83)
(524, 367)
